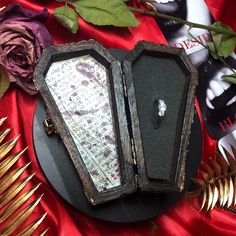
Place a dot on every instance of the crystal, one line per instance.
(161, 108)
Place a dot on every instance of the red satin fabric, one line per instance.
(184, 219)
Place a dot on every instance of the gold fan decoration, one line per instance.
(14, 206)
(217, 182)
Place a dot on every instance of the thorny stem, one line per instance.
(191, 25)
(182, 21)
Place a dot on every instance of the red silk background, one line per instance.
(184, 218)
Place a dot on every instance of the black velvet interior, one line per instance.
(160, 77)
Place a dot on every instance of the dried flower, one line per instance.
(22, 39)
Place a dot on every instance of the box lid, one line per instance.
(158, 75)
(82, 88)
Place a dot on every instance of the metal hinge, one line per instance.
(48, 126)
(123, 81)
(131, 140)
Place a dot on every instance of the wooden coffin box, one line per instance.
(107, 113)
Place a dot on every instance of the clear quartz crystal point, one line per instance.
(161, 108)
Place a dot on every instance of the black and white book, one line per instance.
(217, 98)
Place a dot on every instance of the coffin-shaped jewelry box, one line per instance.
(125, 124)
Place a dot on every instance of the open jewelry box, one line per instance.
(108, 114)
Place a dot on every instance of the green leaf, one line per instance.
(4, 82)
(230, 78)
(106, 12)
(224, 43)
(227, 46)
(212, 50)
(67, 17)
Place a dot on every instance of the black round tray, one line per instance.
(61, 174)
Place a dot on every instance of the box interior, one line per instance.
(160, 76)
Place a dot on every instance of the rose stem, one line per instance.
(179, 20)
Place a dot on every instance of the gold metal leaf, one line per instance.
(221, 192)
(231, 192)
(199, 182)
(226, 192)
(3, 134)
(10, 178)
(20, 218)
(218, 181)
(11, 197)
(208, 169)
(6, 147)
(205, 176)
(2, 120)
(209, 197)
(14, 190)
(32, 227)
(17, 203)
(9, 162)
(215, 197)
(216, 166)
(217, 170)
(204, 198)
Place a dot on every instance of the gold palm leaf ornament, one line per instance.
(15, 204)
(217, 182)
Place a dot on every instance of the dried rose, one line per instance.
(22, 39)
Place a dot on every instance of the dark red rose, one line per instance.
(22, 39)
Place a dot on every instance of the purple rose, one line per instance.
(22, 39)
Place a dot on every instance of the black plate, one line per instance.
(61, 174)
